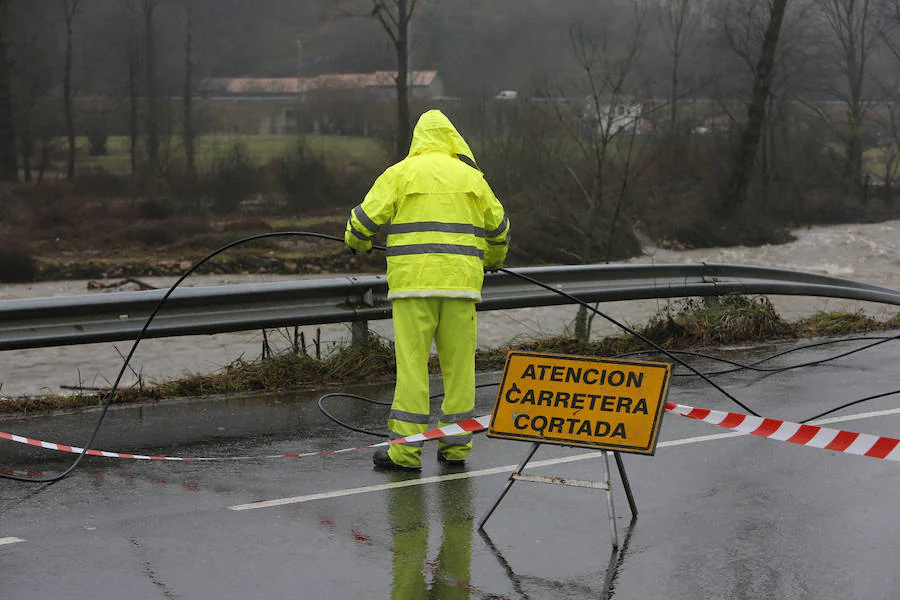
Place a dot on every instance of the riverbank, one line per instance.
(241, 264)
(866, 253)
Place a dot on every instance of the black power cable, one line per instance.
(672, 354)
(849, 404)
(140, 336)
(656, 349)
(754, 366)
(631, 331)
(346, 425)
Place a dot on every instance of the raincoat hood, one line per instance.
(444, 224)
(435, 133)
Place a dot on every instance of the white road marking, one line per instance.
(537, 463)
(10, 540)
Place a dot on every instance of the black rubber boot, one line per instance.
(459, 462)
(382, 461)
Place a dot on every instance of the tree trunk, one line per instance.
(188, 100)
(854, 144)
(67, 97)
(9, 168)
(133, 105)
(45, 158)
(674, 92)
(150, 84)
(26, 143)
(403, 125)
(745, 157)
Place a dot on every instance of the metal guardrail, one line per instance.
(60, 321)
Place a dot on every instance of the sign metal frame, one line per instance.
(647, 448)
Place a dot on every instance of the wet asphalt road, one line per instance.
(729, 517)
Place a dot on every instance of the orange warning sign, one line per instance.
(581, 401)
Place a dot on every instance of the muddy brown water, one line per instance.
(863, 252)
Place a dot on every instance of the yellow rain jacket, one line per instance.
(445, 224)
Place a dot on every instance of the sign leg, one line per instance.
(610, 509)
(626, 485)
(519, 469)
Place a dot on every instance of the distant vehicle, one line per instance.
(507, 95)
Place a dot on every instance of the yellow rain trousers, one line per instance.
(444, 227)
(452, 324)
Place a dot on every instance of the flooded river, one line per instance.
(869, 253)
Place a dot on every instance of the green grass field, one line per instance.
(260, 148)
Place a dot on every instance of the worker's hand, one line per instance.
(356, 244)
(360, 246)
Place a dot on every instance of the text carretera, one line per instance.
(592, 425)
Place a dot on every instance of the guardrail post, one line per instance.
(359, 332)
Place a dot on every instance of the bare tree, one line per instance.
(145, 10)
(30, 87)
(9, 170)
(889, 154)
(748, 146)
(854, 27)
(32, 53)
(395, 17)
(188, 91)
(606, 134)
(70, 8)
(678, 20)
(132, 56)
(889, 117)
(742, 32)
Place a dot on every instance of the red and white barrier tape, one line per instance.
(469, 426)
(836, 440)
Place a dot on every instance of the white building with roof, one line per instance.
(274, 105)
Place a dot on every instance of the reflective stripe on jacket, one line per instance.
(445, 225)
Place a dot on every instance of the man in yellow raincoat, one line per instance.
(444, 228)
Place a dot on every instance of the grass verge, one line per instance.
(687, 324)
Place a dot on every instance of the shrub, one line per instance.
(153, 234)
(552, 232)
(837, 323)
(254, 224)
(170, 232)
(16, 264)
(184, 188)
(233, 179)
(309, 182)
(100, 182)
(717, 320)
(156, 209)
(97, 143)
(305, 180)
